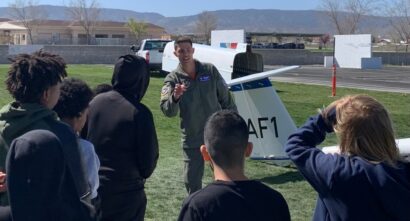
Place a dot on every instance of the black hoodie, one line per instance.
(131, 77)
(39, 183)
(122, 130)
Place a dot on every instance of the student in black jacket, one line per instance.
(123, 133)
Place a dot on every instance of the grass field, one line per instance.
(165, 189)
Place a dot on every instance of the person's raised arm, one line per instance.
(316, 166)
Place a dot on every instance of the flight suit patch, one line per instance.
(165, 93)
(205, 78)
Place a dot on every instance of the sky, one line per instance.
(171, 8)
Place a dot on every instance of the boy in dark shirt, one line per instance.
(232, 196)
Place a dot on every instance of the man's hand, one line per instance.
(179, 91)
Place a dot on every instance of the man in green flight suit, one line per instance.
(196, 90)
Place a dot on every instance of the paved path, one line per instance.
(391, 78)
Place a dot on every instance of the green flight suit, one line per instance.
(204, 96)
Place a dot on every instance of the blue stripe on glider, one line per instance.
(252, 85)
(270, 158)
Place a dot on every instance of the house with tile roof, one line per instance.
(59, 32)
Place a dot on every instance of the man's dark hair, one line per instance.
(182, 39)
(226, 137)
(102, 88)
(74, 98)
(32, 74)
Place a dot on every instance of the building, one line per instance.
(60, 32)
(11, 34)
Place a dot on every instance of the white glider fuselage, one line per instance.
(258, 103)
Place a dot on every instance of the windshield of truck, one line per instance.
(155, 45)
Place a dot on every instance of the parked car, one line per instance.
(258, 45)
(289, 46)
(152, 50)
(300, 46)
(272, 45)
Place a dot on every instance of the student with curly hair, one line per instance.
(34, 82)
(367, 180)
(72, 108)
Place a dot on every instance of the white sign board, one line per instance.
(227, 38)
(350, 49)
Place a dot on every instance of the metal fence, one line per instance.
(83, 41)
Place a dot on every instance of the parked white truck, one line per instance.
(152, 50)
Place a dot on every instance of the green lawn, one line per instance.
(165, 189)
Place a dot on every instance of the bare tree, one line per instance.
(347, 14)
(29, 14)
(86, 13)
(139, 29)
(205, 24)
(324, 39)
(398, 12)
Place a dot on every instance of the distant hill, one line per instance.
(252, 20)
(60, 13)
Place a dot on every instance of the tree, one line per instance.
(29, 14)
(205, 24)
(398, 12)
(139, 29)
(324, 39)
(86, 13)
(346, 14)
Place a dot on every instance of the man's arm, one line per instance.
(169, 106)
(225, 98)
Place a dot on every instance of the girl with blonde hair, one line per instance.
(366, 180)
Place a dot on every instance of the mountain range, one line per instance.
(252, 20)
